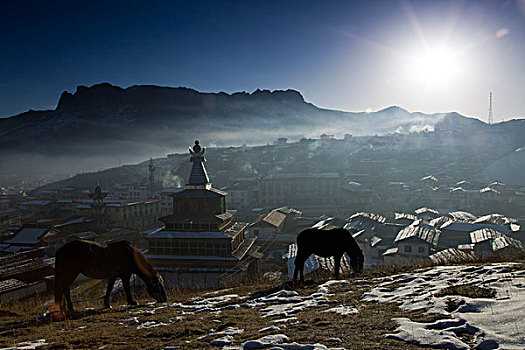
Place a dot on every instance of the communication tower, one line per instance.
(490, 108)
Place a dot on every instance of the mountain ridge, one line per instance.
(133, 123)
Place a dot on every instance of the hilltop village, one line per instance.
(206, 218)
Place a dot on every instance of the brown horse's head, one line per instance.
(155, 288)
(154, 282)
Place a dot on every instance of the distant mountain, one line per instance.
(98, 125)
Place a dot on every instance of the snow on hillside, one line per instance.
(508, 169)
(493, 322)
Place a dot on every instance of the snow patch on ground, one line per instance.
(28, 345)
(280, 341)
(343, 310)
(151, 324)
(495, 322)
(229, 331)
(285, 303)
(269, 329)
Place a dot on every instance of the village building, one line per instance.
(166, 201)
(458, 233)
(240, 196)
(201, 246)
(279, 225)
(487, 241)
(312, 193)
(109, 212)
(29, 236)
(9, 221)
(416, 241)
(39, 208)
(358, 197)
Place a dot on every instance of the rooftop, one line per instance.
(28, 236)
(421, 231)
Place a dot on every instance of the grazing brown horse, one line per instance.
(101, 261)
(326, 243)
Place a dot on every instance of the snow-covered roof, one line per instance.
(505, 241)
(370, 216)
(488, 190)
(424, 232)
(429, 178)
(451, 255)
(440, 221)
(462, 216)
(426, 210)
(391, 251)
(399, 216)
(483, 235)
(496, 219)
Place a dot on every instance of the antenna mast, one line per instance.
(490, 108)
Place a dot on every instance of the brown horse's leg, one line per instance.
(68, 300)
(63, 281)
(127, 289)
(111, 283)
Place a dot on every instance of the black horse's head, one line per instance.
(357, 258)
(155, 288)
(357, 261)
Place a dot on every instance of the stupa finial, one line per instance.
(197, 150)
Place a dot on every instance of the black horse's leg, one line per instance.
(299, 267)
(337, 265)
(125, 283)
(296, 271)
(111, 283)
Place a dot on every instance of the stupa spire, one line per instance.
(198, 176)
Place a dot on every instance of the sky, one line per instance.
(427, 56)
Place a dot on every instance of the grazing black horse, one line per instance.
(326, 243)
(101, 261)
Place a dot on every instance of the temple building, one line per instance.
(201, 246)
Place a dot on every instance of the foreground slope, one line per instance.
(454, 307)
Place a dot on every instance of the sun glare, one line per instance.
(435, 67)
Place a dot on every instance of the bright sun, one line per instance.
(435, 67)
